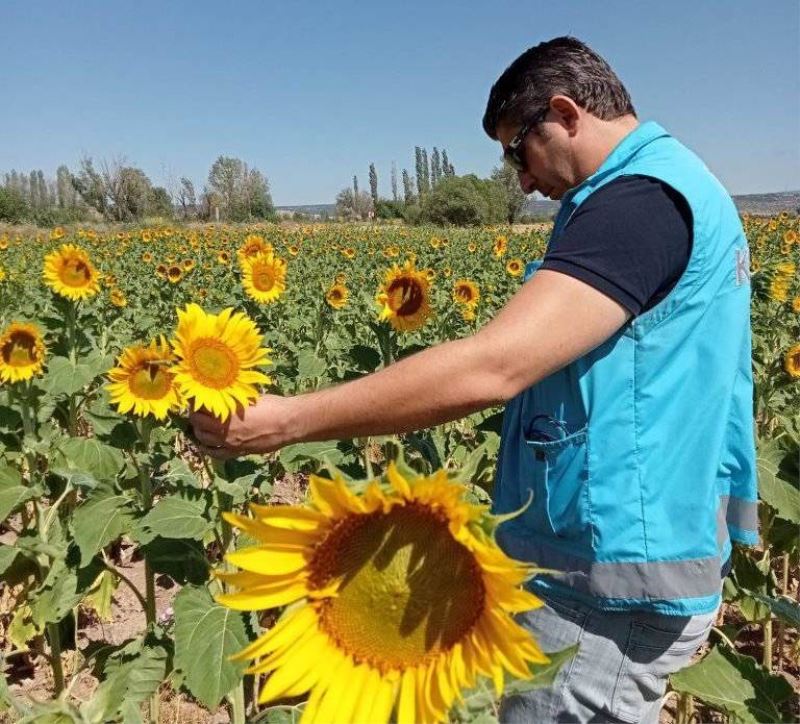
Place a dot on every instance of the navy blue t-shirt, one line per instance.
(631, 239)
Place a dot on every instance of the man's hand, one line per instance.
(256, 429)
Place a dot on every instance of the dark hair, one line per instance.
(561, 66)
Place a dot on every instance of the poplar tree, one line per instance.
(373, 185)
(420, 177)
(43, 191)
(426, 171)
(394, 182)
(447, 169)
(436, 167)
(355, 186)
(408, 188)
(34, 190)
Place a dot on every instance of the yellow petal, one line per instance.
(256, 599)
(405, 707)
(267, 560)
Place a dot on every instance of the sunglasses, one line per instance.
(513, 153)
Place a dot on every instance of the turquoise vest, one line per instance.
(640, 456)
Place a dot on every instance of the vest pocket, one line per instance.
(560, 486)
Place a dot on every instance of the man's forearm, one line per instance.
(439, 384)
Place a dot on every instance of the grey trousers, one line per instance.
(620, 671)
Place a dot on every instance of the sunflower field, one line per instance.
(293, 586)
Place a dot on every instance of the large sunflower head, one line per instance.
(791, 362)
(143, 382)
(402, 599)
(217, 354)
(337, 295)
(70, 273)
(264, 277)
(466, 291)
(22, 352)
(405, 298)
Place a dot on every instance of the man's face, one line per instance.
(547, 155)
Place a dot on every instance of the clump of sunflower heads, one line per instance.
(210, 362)
(398, 599)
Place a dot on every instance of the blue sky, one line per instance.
(311, 93)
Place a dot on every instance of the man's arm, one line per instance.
(551, 321)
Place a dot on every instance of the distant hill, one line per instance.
(755, 204)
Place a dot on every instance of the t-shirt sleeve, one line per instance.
(631, 239)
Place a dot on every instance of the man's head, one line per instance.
(565, 108)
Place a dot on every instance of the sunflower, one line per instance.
(349, 252)
(790, 236)
(57, 233)
(21, 352)
(472, 247)
(143, 382)
(216, 355)
(340, 278)
(337, 295)
(188, 264)
(500, 246)
(2, 274)
(147, 257)
(264, 277)
(466, 292)
(174, 274)
(118, 298)
(796, 305)
(404, 298)
(224, 258)
(791, 362)
(254, 244)
(293, 249)
(402, 599)
(70, 273)
(161, 271)
(514, 267)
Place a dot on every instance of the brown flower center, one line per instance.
(408, 591)
(19, 350)
(213, 363)
(405, 296)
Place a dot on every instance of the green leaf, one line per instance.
(366, 358)
(206, 634)
(779, 494)
(90, 456)
(56, 596)
(12, 493)
(783, 607)
(735, 685)
(309, 365)
(174, 517)
(311, 451)
(101, 519)
(7, 555)
(184, 560)
(131, 675)
(65, 378)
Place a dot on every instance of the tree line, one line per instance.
(435, 194)
(116, 191)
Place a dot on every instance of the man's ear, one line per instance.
(567, 111)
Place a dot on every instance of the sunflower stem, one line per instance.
(71, 325)
(144, 428)
(367, 461)
(54, 638)
(237, 704)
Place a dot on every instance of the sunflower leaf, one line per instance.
(736, 685)
(173, 517)
(65, 378)
(100, 520)
(91, 456)
(206, 634)
(12, 492)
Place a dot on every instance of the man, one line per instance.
(625, 363)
